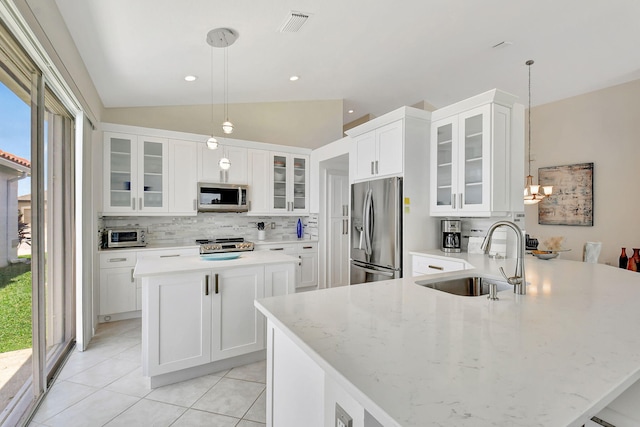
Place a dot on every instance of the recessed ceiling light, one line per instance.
(294, 78)
(350, 111)
(190, 78)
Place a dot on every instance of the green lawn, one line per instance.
(15, 307)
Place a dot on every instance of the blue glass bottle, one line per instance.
(299, 228)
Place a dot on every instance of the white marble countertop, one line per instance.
(422, 357)
(276, 241)
(147, 267)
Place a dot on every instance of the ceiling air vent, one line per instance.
(294, 22)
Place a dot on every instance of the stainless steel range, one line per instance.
(226, 244)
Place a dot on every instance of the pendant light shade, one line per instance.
(224, 164)
(532, 194)
(212, 143)
(227, 127)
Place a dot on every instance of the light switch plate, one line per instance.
(342, 418)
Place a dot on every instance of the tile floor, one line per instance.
(103, 386)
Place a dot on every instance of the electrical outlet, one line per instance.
(273, 225)
(342, 418)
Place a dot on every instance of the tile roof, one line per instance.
(15, 159)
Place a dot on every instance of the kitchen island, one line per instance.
(395, 353)
(198, 315)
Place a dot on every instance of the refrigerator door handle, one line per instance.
(368, 222)
(371, 270)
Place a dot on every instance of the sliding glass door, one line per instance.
(49, 162)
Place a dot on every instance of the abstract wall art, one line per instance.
(572, 200)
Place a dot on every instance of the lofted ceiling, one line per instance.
(375, 55)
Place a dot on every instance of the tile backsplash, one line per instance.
(185, 230)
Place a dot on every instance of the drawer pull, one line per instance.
(307, 247)
(169, 256)
(436, 267)
(117, 259)
(276, 249)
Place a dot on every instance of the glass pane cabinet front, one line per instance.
(299, 184)
(152, 174)
(473, 160)
(120, 185)
(444, 163)
(279, 182)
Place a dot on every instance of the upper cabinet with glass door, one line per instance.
(290, 178)
(474, 156)
(135, 174)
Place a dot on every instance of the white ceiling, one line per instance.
(376, 55)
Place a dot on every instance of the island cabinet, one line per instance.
(191, 319)
(474, 146)
(432, 265)
(135, 174)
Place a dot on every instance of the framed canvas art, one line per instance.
(572, 200)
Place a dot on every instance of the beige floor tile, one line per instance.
(148, 413)
(252, 372)
(258, 411)
(230, 397)
(133, 384)
(184, 393)
(104, 373)
(194, 418)
(93, 411)
(62, 395)
(133, 354)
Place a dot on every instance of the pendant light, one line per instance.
(212, 142)
(532, 193)
(224, 37)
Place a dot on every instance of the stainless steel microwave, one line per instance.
(124, 238)
(215, 197)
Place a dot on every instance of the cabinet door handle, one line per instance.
(436, 267)
(195, 206)
(307, 247)
(221, 173)
(276, 249)
(453, 201)
(376, 167)
(372, 168)
(345, 226)
(300, 258)
(133, 203)
(117, 259)
(132, 279)
(141, 206)
(206, 284)
(169, 256)
(215, 281)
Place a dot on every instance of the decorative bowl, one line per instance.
(545, 254)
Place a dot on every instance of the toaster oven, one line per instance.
(124, 238)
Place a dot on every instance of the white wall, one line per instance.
(600, 127)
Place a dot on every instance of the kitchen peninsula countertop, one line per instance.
(422, 357)
(147, 267)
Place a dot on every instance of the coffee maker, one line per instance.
(451, 229)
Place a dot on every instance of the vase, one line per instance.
(624, 261)
(634, 260)
(299, 229)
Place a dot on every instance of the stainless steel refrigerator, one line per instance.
(376, 230)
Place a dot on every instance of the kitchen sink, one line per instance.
(471, 286)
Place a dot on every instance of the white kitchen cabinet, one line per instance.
(117, 285)
(289, 176)
(183, 179)
(308, 265)
(279, 279)
(238, 328)
(379, 153)
(432, 265)
(135, 174)
(259, 182)
(209, 169)
(471, 157)
(180, 332)
(306, 270)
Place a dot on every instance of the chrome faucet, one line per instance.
(518, 279)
